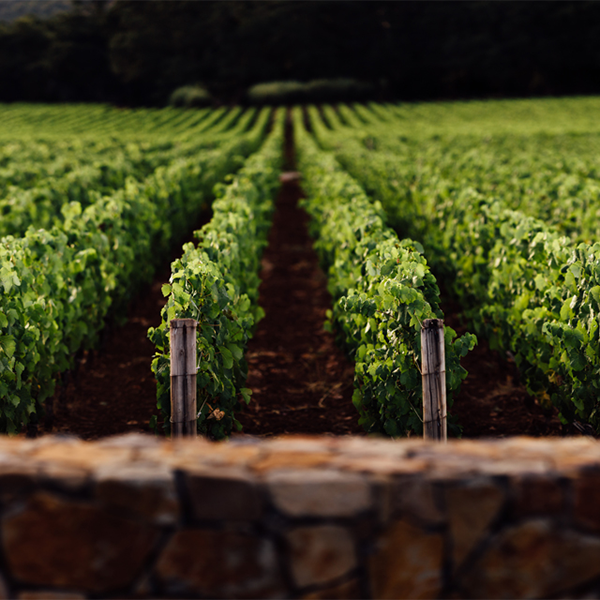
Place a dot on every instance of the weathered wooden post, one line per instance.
(433, 370)
(183, 377)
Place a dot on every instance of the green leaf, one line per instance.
(8, 345)
(566, 311)
(236, 351)
(227, 357)
(578, 362)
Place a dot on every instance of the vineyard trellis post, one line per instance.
(183, 377)
(433, 369)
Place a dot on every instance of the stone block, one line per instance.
(537, 495)
(290, 459)
(16, 479)
(471, 507)
(229, 495)
(415, 497)
(50, 595)
(535, 559)
(380, 465)
(320, 553)
(299, 443)
(407, 563)
(573, 454)
(64, 477)
(139, 491)
(219, 564)
(133, 441)
(586, 499)
(349, 590)
(188, 456)
(50, 541)
(323, 493)
(81, 456)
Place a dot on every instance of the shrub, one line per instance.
(318, 90)
(190, 96)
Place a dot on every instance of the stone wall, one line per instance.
(299, 517)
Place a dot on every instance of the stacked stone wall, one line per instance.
(296, 517)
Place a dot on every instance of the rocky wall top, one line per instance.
(136, 516)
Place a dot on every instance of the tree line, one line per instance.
(137, 53)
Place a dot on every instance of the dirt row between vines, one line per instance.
(301, 381)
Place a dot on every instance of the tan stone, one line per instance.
(186, 455)
(133, 441)
(533, 560)
(81, 455)
(50, 595)
(223, 495)
(350, 590)
(586, 499)
(66, 477)
(320, 553)
(300, 443)
(384, 465)
(49, 541)
(407, 563)
(464, 458)
(575, 454)
(324, 493)
(220, 564)
(285, 459)
(537, 495)
(139, 490)
(360, 446)
(471, 508)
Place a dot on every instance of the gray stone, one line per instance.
(324, 493)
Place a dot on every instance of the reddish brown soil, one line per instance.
(114, 390)
(301, 381)
(492, 402)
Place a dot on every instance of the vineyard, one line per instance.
(492, 207)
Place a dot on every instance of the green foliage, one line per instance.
(524, 286)
(190, 96)
(38, 178)
(57, 286)
(382, 289)
(216, 282)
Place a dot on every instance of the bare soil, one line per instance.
(301, 381)
(492, 401)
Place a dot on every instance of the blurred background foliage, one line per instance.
(140, 53)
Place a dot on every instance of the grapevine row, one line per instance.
(43, 205)
(529, 290)
(382, 289)
(216, 282)
(58, 285)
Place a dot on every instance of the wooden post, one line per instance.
(433, 370)
(183, 377)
